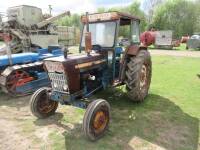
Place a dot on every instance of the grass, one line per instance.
(168, 118)
(1, 43)
(182, 47)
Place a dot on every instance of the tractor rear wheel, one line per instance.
(41, 105)
(138, 76)
(96, 119)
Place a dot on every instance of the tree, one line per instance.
(135, 10)
(73, 20)
(177, 15)
(149, 7)
(101, 10)
(197, 23)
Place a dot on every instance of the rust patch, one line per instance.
(88, 42)
(89, 64)
(73, 72)
(133, 50)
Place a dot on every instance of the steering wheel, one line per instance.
(96, 47)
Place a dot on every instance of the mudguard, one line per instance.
(130, 51)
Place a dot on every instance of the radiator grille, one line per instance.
(58, 82)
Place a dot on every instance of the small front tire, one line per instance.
(40, 104)
(96, 119)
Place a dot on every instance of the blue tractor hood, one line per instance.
(29, 57)
(22, 58)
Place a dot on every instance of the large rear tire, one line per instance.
(138, 76)
(96, 119)
(40, 104)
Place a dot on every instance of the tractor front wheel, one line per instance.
(138, 75)
(41, 105)
(96, 119)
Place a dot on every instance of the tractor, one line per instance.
(74, 78)
(23, 73)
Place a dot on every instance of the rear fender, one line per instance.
(134, 49)
(130, 51)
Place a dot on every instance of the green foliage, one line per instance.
(73, 20)
(197, 23)
(101, 10)
(177, 15)
(1, 43)
(135, 10)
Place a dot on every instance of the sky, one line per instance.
(75, 6)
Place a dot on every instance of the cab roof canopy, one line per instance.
(125, 18)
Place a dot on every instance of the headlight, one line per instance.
(55, 85)
(65, 87)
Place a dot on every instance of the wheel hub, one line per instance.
(100, 121)
(14, 79)
(46, 105)
(143, 77)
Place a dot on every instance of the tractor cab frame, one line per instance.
(106, 25)
(104, 28)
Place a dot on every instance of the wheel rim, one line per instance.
(143, 78)
(100, 121)
(14, 78)
(45, 104)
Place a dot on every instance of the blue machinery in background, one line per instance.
(22, 74)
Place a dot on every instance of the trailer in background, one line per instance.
(163, 39)
(160, 39)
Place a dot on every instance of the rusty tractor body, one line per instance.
(74, 78)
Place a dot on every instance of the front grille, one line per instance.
(58, 82)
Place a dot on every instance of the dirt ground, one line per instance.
(12, 110)
(20, 130)
(15, 132)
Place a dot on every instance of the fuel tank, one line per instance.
(148, 37)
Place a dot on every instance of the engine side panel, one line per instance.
(73, 66)
(73, 72)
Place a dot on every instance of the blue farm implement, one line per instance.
(22, 74)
